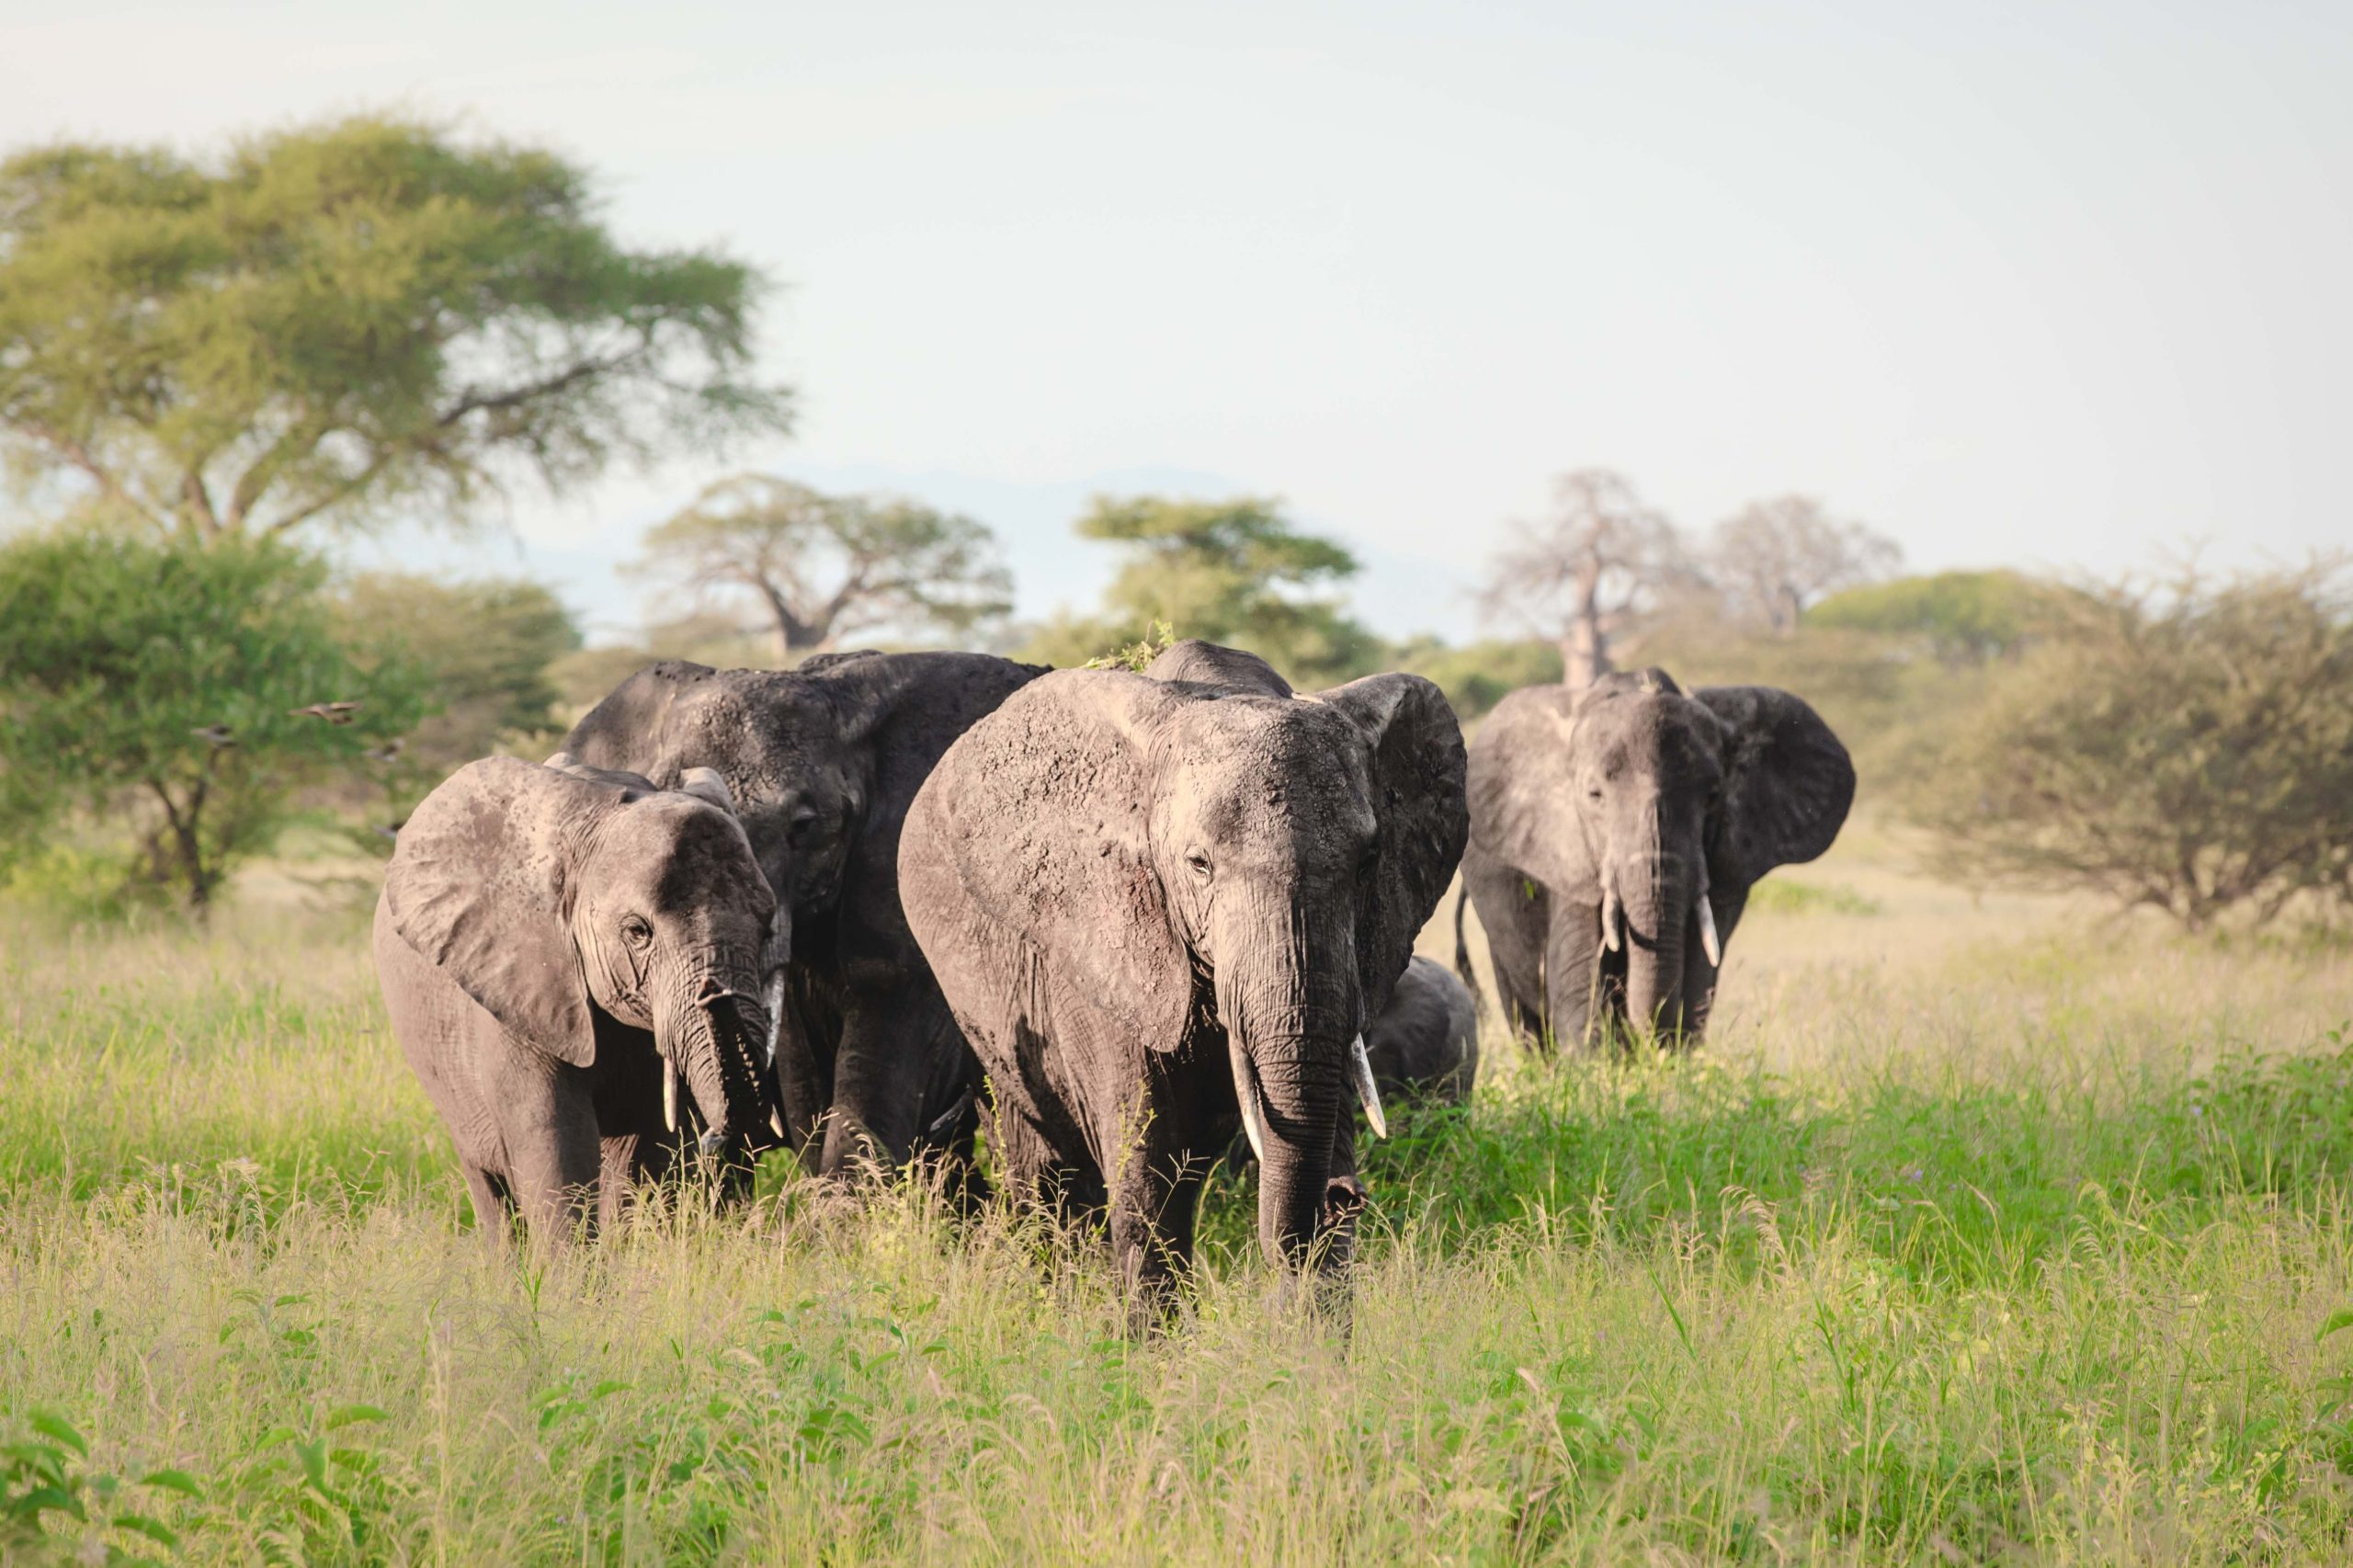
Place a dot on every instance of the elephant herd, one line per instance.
(1127, 922)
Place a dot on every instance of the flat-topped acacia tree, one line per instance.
(323, 325)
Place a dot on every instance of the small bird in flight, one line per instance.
(386, 752)
(218, 734)
(332, 712)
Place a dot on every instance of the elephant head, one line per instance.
(1205, 868)
(1675, 803)
(545, 891)
(789, 748)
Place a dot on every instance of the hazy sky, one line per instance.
(2054, 284)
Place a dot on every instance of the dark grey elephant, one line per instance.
(557, 947)
(1425, 1044)
(1163, 910)
(1615, 833)
(823, 761)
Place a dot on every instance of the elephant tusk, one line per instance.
(776, 1123)
(1245, 1090)
(1609, 916)
(775, 1013)
(1360, 1066)
(1709, 942)
(670, 1094)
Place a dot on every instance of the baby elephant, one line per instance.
(1425, 1044)
(558, 946)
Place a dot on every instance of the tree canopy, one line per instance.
(1235, 572)
(1964, 617)
(486, 648)
(2189, 750)
(323, 323)
(821, 567)
(1584, 576)
(186, 688)
(1772, 559)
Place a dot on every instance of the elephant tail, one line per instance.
(1462, 950)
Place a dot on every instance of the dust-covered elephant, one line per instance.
(1615, 833)
(558, 948)
(823, 761)
(1164, 910)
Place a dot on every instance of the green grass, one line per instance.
(1972, 1235)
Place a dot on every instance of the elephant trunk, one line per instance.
(1304, 1089)
(1658, 893)
(1290, 1024)
(714, 1044)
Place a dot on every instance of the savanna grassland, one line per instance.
(1978, 1232)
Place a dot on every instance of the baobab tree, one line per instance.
(1774, 558)
(1586, 574)
(824, 567)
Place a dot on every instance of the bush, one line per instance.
(2191, 751)
(186, 688)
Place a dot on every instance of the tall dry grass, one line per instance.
(1978, 1232)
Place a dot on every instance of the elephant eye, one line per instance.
(798, 830)
(635, 931)
(1368, 862)
(1200, 863)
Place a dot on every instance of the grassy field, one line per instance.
(1977, 1233)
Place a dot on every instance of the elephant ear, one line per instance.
(1788, 781)
(1416, 775)
(706, 784)
(479, 887)
(1041, 813)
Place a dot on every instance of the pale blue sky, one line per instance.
(2053, 284)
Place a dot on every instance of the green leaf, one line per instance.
(352, 1414)
(54, 1425)
(154, 1529)
(2342, 1318)
(177, 1481)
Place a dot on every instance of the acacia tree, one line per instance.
(1772, 559)
(186, 689)
(1584, 576)
(824, 567)
(2189, 750)
(324, 323)
(1237, 571)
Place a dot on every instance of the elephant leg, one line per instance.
(1516, 913)
(891, 1039)
(1573, 983)
(494, 1207)
(555, 1158)
(1154, 1204)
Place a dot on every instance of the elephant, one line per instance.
(558, 946)
(1425, 1044)
(823, 761)
(1615, 832)
(1163, 906)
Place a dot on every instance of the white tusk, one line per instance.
(776, 1012)
(1709, 942)
(669, 1095)
(1246, 1091)
(1610, 913)
(1361, 1062)
(776, 1121)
